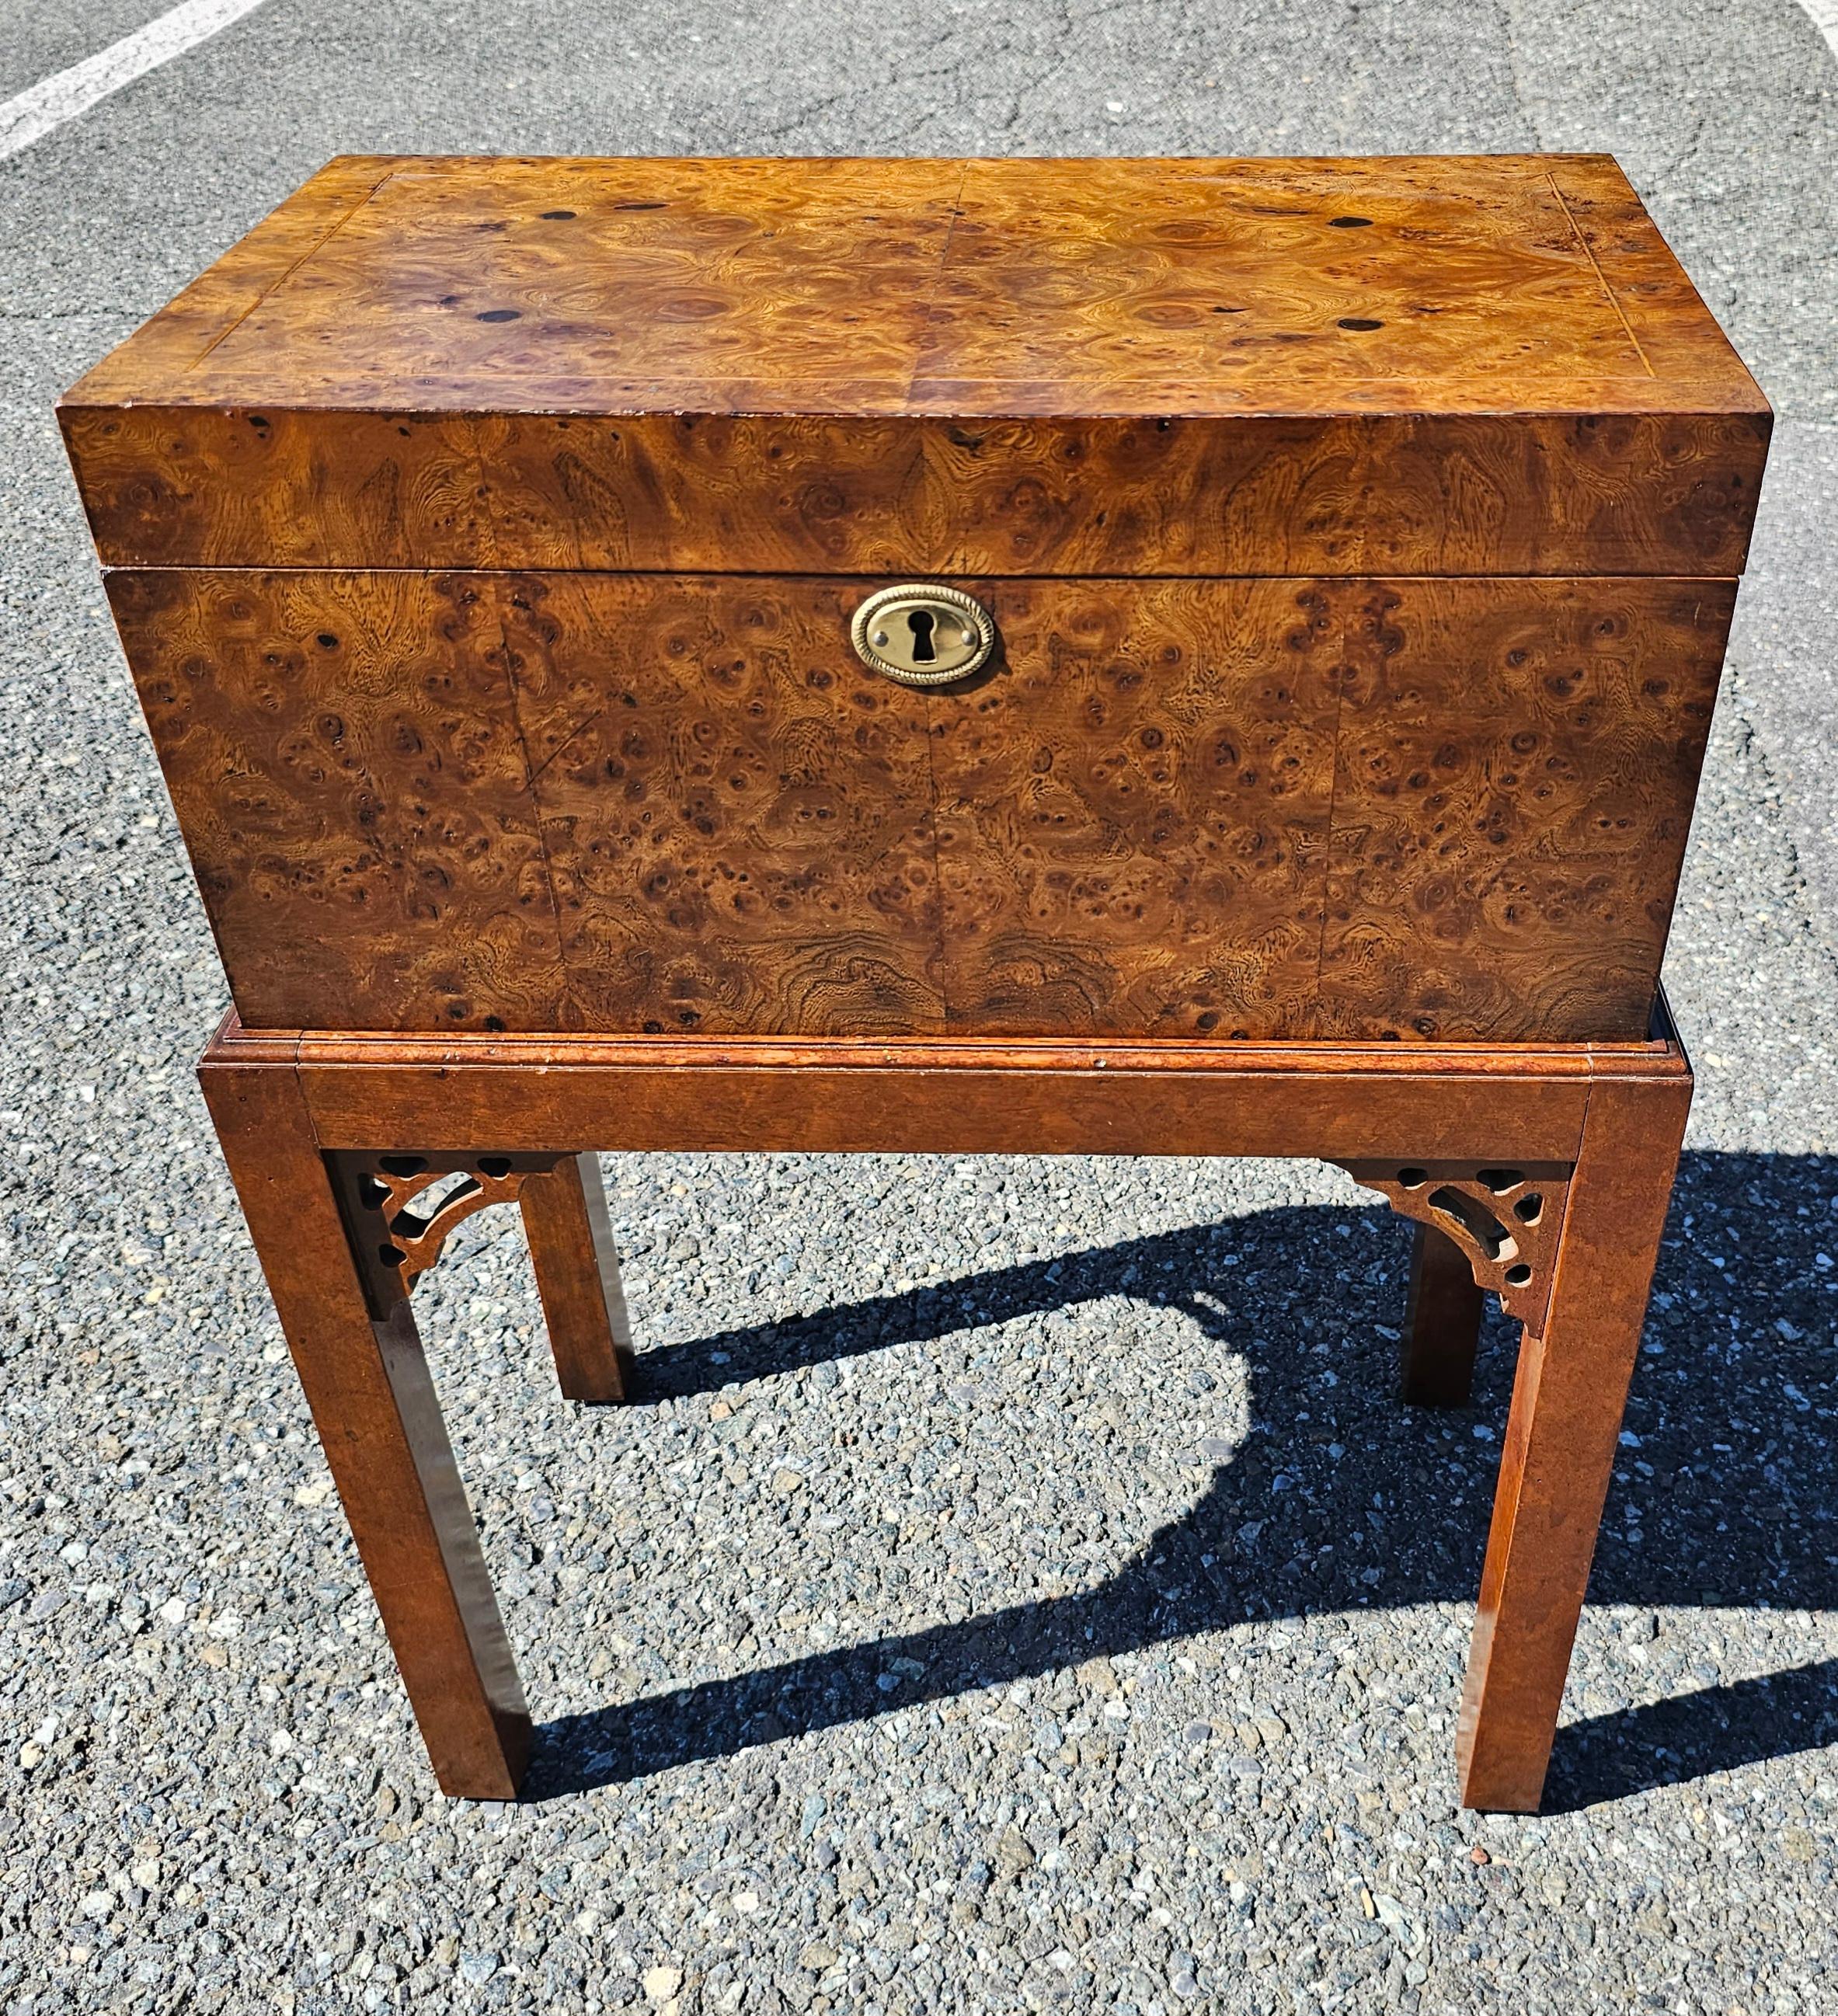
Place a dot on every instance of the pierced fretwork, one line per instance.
(404, 1208)
(1504, 1217)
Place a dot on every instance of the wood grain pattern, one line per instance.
(1433, 494)
(1517, 766)
(1059, 367)
(988, 286)
(1199, 283)
(1613, 1123)
(1441, 1324)
(549, 279)
(1226, 810)
(545, 1093)
(1132, 808)
(577, 1265)
(366, 1376)
(1561, 1440)
(1361, 538)
(344, 759)
(171, 486)
(737, 814)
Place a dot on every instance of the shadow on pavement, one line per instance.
(1717, 1728)
(1724, 1499)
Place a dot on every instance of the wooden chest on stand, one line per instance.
(838, 653)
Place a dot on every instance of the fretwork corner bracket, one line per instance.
(403, 1208)
(1505, 1219)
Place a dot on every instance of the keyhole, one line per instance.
(920, 622)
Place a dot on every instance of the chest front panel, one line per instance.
(1215, 808)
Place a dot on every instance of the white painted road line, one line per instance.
(1825, 18)
(45, 106)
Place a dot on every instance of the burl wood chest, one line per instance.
(1359, 537)
(841, 653)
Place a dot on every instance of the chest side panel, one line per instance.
(1516, 768)
(344, 758)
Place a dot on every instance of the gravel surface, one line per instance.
(1017, 1589)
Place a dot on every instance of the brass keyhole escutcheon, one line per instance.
(922, 635)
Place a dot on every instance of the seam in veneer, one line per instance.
(1327, 835)
(275, 285)
(468, 428)
(921, 349)
(1601, 277)
(933, 809)
(882, 574)
(567, 742)
(512, 696)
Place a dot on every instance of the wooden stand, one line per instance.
(1541, 1173)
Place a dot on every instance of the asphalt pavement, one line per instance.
(1017, 1590)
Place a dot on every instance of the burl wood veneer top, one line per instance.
(1527, 284)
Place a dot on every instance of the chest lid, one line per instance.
(1487, 364)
